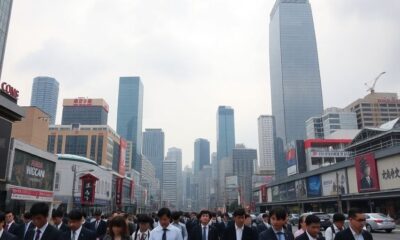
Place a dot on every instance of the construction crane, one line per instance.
(372, 88)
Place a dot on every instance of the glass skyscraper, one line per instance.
(153, 149)
(45, 96)
(130, 114)
(201, 154)
(5, 13)
(294, 69)
(225, 132)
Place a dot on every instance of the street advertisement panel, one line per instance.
(334, 183)
(122, 156)
(366, 172)
(301, 189)
(291, 191)
(118, 191)
(291, 159)
(314, 186)
(5, 133)
(32, 171)
(282, 192)
(275, 194)
(264, 195)
(88, 190)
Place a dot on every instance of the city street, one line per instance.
(387, 236)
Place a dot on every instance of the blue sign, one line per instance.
(314, 186)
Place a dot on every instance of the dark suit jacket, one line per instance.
(230, 233)
(269, 234)
(101, 229)
(348, 235)
(13, 229)
(51, 233)
(21, 230)
(197, 233)
(63, 227)
(85, 234)
(304, 236)
(261, 227)
(8, 236)
(86, 225)
(365, 184)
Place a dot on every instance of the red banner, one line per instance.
(132, 190)
(88, 189)
(366, 172)
(118, 191)
(122, 156)
(264, 196)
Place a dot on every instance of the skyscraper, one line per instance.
(45, 96)
(175, 155)
(84, 111)
(169, 184)
(153, 149)
(225, 132)
(130, 114)
(266, 142)
(294, 69)
(5, 14)
(201, 154)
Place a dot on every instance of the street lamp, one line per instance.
(74, 170)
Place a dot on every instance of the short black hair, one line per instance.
(164, 212)
(226, 215)
(239, 212)
(247, 215)
(57, 213)
(143, 218)
(213, 214)
(40, 208)
(8, 212)
(338, 217)
(279, 212)
(97, 213)
(265, 215)
(75, 215)
(2, 217)
(84, 215)
(310, 219)
(354, 211)
(176, 215)
(202, 212)
(27, 215)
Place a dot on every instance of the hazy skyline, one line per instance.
(193, 56)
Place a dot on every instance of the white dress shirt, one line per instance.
(239, 232)
(139, 235)
(173, 233)
(77, 232)
(1, 232)
(329, 235)
(310, 237)
(356, 235)
(42, 229)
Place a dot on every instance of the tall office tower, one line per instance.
(175, 154)
(5, 14)
(296, 91)
(45, 96)
(169, 184)
(225, 132)
(85, 111)
(266, 143)
(130, 115)
(153, 149)
(201, 154)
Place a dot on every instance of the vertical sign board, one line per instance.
(291, 159)
(122, 155)
(264, 196)
(366, 172)
(118, 192)
(88, 189)
(314, 188)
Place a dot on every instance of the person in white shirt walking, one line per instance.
(337, 226)
(165, 230)
(143, 231)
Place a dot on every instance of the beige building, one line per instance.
(375, 109)
(33, 128)
(99, 143)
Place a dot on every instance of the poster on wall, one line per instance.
(334, 183)
(291, 190)
(264, 196)
(366, 172)
(275, 193)
(314, 186)
(282, 192)
(301, 189)
(291, 159)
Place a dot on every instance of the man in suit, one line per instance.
(5, 235)
(57, 218)
(238, 231)
(85, 223)
(43, 230)
(313, 231)
(355, 230)
(76, 229)
(26, 226)
(143, 231)
(277, 231)
(99, 226)
(265, 224)
(193, 221)
(176, 217)
(204, 230)
(366, 181)
(11, 226)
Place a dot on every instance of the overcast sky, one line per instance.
(194, 55)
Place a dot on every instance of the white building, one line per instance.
(266, 142)
(169, 184)
(175, 154)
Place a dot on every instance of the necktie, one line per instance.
(37, 237)
(143, 236)
(97, 224)
(164, 236)
(281, 236)
(6, 228)
(204, 237)
(73, 235)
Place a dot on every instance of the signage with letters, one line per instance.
(9, 90)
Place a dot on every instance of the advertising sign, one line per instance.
(326, 154)
(282, 192)
(366, 172)
(88, 189)
(264, 195)
(301, 189)
(314, 186)
(122, 155)
(5, 133)
(334, 183)
(291, 190)
(118, 191)
(291, 159)
(9, 90)
(275, 193)
(32, 172)
(33, 195)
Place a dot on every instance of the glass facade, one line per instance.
(201, 154)
(45, 96)
(130, 114)
(225, 132)
(85, 115)
(5, 13)
(76, 145)
(294, 69)
(153, 149)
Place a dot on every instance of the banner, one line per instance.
(314, 186)
(291, 159)
(291, 190)
(118, 191)
(88, 189)
(32, 195)
(275, 193)
(301, 189)
(334, 185)
(264, 195)
(32, 171)
(122, 156)
(366, 172)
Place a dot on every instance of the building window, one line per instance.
(57, 182)
(76, 145)
(99, 149)
(50, 143)
(59, 144)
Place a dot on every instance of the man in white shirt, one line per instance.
(313, 231)
(165, 231)
(143, 232)
(337, 226)
(176, 217)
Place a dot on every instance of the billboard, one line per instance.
(122, 155)
(291, 190)
(282, 192)
(301, 189)
(5, 133)
(366, 172)
(291, 160)
(334, 183)
(32, 172)
(314, 186)
(118, 191)
(264, 195)
(275, 193)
